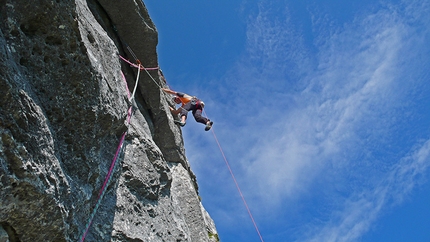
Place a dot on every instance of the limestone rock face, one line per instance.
(63, 110)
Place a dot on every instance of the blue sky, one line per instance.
(322, 109)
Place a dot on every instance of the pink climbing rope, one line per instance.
(140, 67)
(121, 142)
(111, 169)
(137, 66)
(103, 189)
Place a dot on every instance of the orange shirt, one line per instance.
(185, 98)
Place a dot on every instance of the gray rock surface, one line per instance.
(63, 110)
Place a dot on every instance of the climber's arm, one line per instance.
(169, 91)
(175, 111)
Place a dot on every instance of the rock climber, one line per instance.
(189, 103)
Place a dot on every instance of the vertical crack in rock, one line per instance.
(62, 111)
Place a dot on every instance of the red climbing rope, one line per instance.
(237, 184)
(141, 67)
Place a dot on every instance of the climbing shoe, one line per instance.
(180, 123)
(208, 125)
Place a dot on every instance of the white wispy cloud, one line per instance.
(349, 90)
(294, 123)
(301, 135)
(362, 208)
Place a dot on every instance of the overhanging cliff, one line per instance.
(63, 110)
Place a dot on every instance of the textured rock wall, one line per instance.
(62, 111)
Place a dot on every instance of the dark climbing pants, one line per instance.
(197, 112)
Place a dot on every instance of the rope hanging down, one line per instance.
(219, 146)
(121, 142)
(237, 184)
